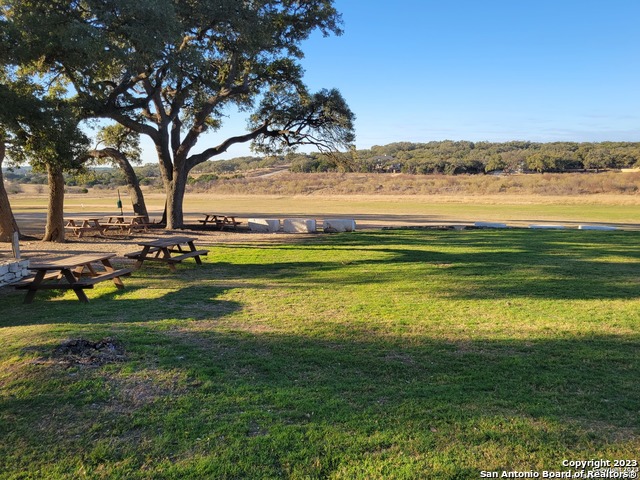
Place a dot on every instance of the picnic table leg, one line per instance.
(33, 288)
(193, 249)
(71, 278)
(100, 228)
(141, 257)
(77, 272)
(141, 224)
(80, 269)
(109, 268)
(167, 254)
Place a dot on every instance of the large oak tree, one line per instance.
(8, 223)
(121, 147)
(172, 69)
(39, 127)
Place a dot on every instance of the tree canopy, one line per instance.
(38, 124)
(172, 69)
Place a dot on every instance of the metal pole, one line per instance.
(120, 204)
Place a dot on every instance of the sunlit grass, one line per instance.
(381, 354)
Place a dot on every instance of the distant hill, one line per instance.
(443, 158)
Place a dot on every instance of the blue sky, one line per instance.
(495, 70)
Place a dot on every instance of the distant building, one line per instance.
(385, 164)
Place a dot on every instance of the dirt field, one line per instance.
(369, 211)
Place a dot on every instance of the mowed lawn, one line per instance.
(377, 354)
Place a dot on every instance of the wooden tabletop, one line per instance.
(166, 242)
(71, 262)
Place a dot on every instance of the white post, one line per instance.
(15, 245)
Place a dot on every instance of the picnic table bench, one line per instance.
(127, 223)
(76, 273)
(220, 221)
(170, 250)
(79, 226)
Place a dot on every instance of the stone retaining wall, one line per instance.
(13, 270)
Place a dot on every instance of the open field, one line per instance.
(369, 210)
(376, 200)
(378, 354)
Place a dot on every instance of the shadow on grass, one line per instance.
(463, 265)
(109, 306)
(590, 379)
(473, 265)
(238, 400)
(271, 405)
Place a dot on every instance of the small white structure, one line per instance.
(490, 225)
(596, 227)
(13, 270)
(299, 225)
(333, 225)
(548, 227)
(268, 225)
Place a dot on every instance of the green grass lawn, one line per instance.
(378, 354)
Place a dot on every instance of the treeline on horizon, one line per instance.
(450, 158)
(438, 157)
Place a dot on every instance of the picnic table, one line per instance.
(170, 250)
(126, 223)
(76, 273)
(220, 221)
(81, 225)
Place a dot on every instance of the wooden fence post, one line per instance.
(15, 245)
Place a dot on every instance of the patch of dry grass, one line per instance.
(615, 183)
(377, 200)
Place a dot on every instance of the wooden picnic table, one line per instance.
(220, 221)
(163, 250)
(81, 225)
(126, 223)
(76, 273)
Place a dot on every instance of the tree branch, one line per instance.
(214, 151)
(131, 124)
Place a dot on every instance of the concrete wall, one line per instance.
(338, 225)
(264, 224)
(299, 225)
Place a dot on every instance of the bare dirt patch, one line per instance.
(79, 351)
(34, 248)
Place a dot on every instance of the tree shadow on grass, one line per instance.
(272, 404)
(472, 265)
(111, 306)
(466, 265)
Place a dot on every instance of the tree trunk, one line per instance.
(163, 220)
(55, 213)
(175, 198)
(8, 223)
(135, 192)
(137, 199)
